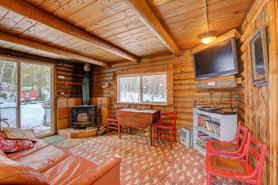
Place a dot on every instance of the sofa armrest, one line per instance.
(106, 173)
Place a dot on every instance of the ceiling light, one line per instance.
(207, 37)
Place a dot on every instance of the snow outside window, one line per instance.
(154, 88)
(129, 89)
(143, 89)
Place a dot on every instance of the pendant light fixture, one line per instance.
(207, 37)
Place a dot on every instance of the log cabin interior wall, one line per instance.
(69, 90)
(117, 24)
(254, 102)
(184, 87)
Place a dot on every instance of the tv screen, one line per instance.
(218, 60)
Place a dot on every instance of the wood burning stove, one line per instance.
(83, 116)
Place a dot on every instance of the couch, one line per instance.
(49, 164)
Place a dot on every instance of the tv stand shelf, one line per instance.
(220, 127)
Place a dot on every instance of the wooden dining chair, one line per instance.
(113, 123)
(233, 148)
(238, 168)
(169, 129)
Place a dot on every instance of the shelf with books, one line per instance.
(208, 125)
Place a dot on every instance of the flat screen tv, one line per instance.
(217, 60)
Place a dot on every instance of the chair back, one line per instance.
(241, 136)
(258, 150)
(168, 116)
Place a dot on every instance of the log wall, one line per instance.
(253, 101)
(69, 80)
(69, 90)
(184, 87)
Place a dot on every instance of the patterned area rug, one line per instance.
(143, 164)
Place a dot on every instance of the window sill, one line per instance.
(159, 104)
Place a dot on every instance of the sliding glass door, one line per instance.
(8, 94)
(26, 96)
(35, 97)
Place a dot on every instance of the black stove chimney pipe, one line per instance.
(86, 85)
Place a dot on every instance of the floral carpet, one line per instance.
(144, 164)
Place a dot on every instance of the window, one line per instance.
(151, 88)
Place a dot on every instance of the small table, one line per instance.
(135, 118)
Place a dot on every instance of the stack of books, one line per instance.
(206, 122)
(202, 139)
(213, 127)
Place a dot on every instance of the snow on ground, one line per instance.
(32, 116)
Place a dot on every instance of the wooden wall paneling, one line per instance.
(256, 105)
(273, 94)
(105, 108)
(184, 87)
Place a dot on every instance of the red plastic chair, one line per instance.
(232, 148)
(238, 168)
(157, 128)
(33, 95)
(113, 123)
(22, 96)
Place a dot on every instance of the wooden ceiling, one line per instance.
(119, 25)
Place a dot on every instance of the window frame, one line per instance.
(145, 71)
(141, 87)
(19, 61)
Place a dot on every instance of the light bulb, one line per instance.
(208, 39)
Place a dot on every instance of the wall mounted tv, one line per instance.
(217, 60)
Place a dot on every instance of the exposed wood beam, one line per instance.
(36, 45)
(147, 16)
(32, 12)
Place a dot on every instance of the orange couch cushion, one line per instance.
(45, 158)
(37, 146)
(13, 172)
(68, 170)
(2, 153)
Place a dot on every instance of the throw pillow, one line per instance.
(2, 153)
(13, 172)
(14, 145)
(17, 133)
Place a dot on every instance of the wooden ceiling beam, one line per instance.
(36, 45)
(147, 16)
(32, 12)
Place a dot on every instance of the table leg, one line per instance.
(151, 135)
(128, 130)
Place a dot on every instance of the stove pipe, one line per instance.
(86, 85)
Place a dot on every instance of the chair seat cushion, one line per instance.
(222, 146)
(226, 167)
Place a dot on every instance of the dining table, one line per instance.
(138, 118)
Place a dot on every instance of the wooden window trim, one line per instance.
(168, 69)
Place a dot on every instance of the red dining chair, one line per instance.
(238, 168)
(232, 148)
(113, 123)
(159, 128)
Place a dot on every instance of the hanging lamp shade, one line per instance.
(207, 38)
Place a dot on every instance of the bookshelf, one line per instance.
(207, 125)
